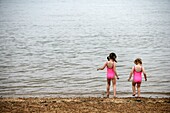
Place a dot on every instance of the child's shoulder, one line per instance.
(109, 61)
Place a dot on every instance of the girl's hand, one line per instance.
(98, 69)
(129, 79)
(145, 79)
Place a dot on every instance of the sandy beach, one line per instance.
(85, 105)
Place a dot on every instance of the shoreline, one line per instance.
(84, 104)
(84, 95)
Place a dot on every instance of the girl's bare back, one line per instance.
(138, 68)
(110, 64)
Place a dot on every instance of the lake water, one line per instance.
(53, 47)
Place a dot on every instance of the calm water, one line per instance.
(53, 47)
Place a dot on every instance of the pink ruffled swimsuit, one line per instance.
(137, 76)
(110, 73)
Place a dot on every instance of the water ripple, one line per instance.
(58, 51)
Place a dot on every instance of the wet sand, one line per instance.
(85, 105)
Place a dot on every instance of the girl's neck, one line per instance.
(112, 60)
(139, 64)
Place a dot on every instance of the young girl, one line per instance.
(137, 71)
(111, 72)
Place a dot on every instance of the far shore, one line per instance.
(85, 105)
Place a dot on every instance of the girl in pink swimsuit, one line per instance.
(111, 72)
(137, 71)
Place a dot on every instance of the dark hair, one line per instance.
(108, 58)
(138, 61)
(113, 56)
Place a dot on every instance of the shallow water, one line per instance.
(53, 47)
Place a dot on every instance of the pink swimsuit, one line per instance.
(137, 76)
(110, 73)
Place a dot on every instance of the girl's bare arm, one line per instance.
(102, 67)
(131, 73)
(144, 73)
(114, 68)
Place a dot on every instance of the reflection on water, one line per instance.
(54, 47)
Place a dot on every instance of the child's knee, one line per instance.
(138, 85)
(108, 85)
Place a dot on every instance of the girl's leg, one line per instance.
(133, 88)
(138, 87)
(108, 87)
(114, 86)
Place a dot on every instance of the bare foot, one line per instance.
(114, 97)
(133, 94)
(107, 96)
